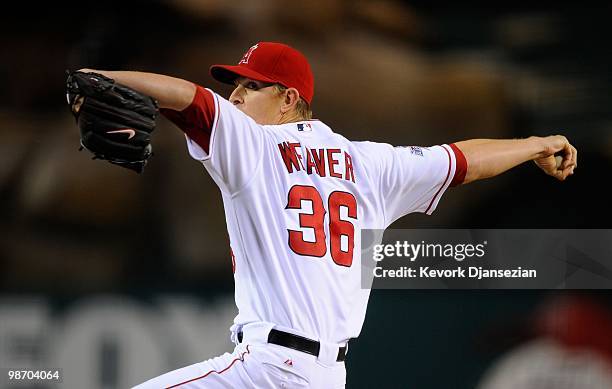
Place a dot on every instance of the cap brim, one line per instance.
(227, 74)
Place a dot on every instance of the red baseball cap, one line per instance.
(271, 62)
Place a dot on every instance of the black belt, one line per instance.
(299, 343)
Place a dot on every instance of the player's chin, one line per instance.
(240, 107)
(247, 112)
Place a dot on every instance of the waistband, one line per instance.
(263, 332)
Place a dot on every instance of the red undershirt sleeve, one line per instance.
(197, 119)
(461, 166)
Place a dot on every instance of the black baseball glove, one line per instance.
(115, 121)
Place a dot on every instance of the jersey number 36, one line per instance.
(316, 220)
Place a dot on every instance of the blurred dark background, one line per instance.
(406, 73)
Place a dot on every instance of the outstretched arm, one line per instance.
(170, 92)
(490, 157)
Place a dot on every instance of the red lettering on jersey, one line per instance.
(348, 164)
(294, 147)
(339, 227)
(312, 220)
(316, 160)
(310, 163)
(332, 162)
(290, 158)
(319, 160)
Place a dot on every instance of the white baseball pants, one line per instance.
(256, 364)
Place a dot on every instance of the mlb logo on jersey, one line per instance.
(304, 127)
(416, 150)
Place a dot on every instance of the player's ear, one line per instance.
(290, 99)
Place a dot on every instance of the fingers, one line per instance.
(570, 156)
(562, 175)
(567, 152)
(572, 161)
(567, 156)
(559, 175)
(558, 167)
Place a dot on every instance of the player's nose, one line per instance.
(236, 96)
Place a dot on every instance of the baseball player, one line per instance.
(296, 196)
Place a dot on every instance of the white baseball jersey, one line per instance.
(296, 197)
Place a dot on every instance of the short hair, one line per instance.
(302, 107)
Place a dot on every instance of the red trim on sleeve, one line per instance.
(433, 199)
(460, 166)
(197, 119)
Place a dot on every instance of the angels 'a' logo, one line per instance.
(247, 55)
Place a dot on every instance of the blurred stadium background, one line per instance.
(116, 278)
